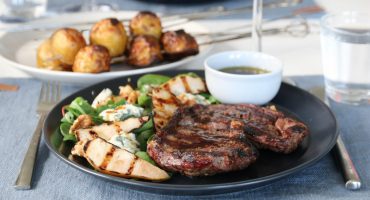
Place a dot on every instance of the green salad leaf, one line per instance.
(144, 100)
(70, 137)
(73, 111)
(150, 138)
(148, 125)
(111, 105)
(68, 117)
(151, 79)
(64, 130)
(97, 119)
(143, 137)
(210, 98)
(77, 107)
(81, 106)
(144, 155)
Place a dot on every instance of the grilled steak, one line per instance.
(205, 140)
(265, 127)
(195, 143)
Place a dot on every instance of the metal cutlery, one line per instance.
(49, 96)
(7, 87)
(177, 20)
(221, 11)
(353, 181)
(297, 28)
(174, 20)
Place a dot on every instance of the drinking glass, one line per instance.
(345, 47)
(21, 10)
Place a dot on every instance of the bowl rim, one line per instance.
(277, 72)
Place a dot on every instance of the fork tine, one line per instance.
(53, 92)
(43, 93)
(47, 95)
(58, 92)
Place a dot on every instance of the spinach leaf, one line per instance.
(144, 100)
(111, 105)
(73, 111)
(210, 98)
(144, 155)
(68, 117)
(151, 79)
(97, 120)
(143, 137)
(148, 111)
(148, 125)
(82, 106)
(150, 138)
(70, 137)
(64, 128)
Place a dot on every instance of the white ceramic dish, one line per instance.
(19, 50)
(241, 88)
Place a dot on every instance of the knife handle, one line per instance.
(24, 178)
(353, 181)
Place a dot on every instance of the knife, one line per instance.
(353, 181)
(6, 87)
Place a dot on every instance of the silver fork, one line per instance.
(49, 96)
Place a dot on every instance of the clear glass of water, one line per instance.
(345, 47)
(21, 10)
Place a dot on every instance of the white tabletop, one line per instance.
(301, 56)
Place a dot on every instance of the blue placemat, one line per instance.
(53, 179)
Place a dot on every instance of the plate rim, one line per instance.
(33, 69)
(190, 187)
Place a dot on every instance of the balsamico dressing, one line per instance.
(244, 70)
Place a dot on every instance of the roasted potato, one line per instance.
(92, 59)
(145, 50)
(65, 43)
(47, 60)
(178, 44)
(111, 34)
(146, 23)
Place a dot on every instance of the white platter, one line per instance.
(19, 50)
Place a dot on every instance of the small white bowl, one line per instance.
(242, 88)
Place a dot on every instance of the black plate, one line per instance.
(269, 166)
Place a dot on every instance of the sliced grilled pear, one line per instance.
(109, 159)
(107, 131)
(185, 84)
(164, 106)
(165, 98)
